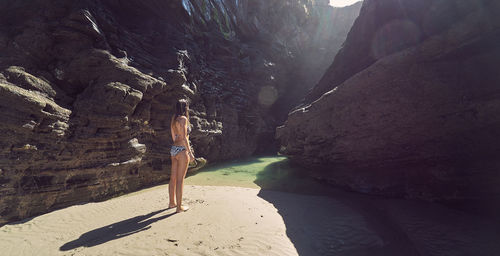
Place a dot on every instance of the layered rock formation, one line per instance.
(87, 88)
(410, 107)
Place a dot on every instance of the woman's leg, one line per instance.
(182, 167)
(172, 183)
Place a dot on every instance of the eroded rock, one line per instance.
(87, 88)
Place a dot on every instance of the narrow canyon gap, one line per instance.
(87, 88)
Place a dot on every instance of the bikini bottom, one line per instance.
(174, 150)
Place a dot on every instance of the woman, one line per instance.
(180, 154)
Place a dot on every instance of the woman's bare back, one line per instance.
(179, 130)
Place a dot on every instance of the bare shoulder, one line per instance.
(182, 120)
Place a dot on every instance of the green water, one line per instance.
(272, 173)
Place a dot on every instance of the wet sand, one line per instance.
(292, 215)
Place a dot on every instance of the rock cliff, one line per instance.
(411, 105)
(87, 88)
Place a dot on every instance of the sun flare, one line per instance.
(342, 3)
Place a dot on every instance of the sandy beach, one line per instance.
(229, 220)
(221, 221)
(239, 221)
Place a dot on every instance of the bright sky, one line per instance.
(339, 3)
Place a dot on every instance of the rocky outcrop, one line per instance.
(87, 89)
(412, 104)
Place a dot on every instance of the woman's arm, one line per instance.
(172, 123)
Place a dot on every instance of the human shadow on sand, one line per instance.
(115, 231)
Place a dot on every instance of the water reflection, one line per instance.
(241, 173)
(270, 173)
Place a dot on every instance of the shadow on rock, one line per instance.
(115, 231)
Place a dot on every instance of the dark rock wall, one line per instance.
(417, 118)
(87, 88)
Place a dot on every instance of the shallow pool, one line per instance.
(273, 173)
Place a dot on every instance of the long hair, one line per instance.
(181, 109)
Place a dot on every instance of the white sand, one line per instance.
(247, 221)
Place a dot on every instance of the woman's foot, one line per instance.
(182, 208)
(170, 206)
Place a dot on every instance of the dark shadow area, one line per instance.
(115, 231)
(323, 220)
(18, 222)
(311, 224)
(328, 226)
(286, 177)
